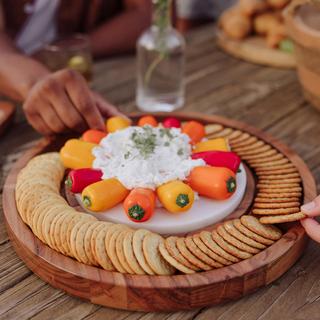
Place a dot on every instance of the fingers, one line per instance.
(38, 124)
(80, 95)
(312, 228)
(67, 112)
(106, 109)
(51, 118)
(312, 209)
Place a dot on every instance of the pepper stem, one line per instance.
(86, 201)
(68, 182)
(136, 212)
(182, 200)
(231, 184)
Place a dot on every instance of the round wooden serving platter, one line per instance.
(253, 49)
(159, 293)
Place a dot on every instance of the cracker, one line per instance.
(235, 135)
(200, 255)
(109, 240)
(181, 245)
(279, 195)
(206, 237)
(273, 211)
(280, 190)
(254, 236)
(137, 241)
(100, 249)
(173, 262)
(47, 222)
(63, 231)
(153, 257)
(245, 143)
(278, 186)
(213, 128)
(261, 155)
(294, 175)
(265, 165)
(73, 238)
(283, 218)
(79, 243)
(230, 248)
(280, 181)
(235, 242)
(52, 228)
(225, 133)
(232, 230)
(275, 170)
(171, 246)
(243, 137)
(129, 254)
(199, 243)
(87, 242)
(251, 152)
(71, 224)
(254, 225)
(276, 156)
(276, 200)
(251, 144)
(280, 205)
(120, 252)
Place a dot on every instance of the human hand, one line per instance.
(62, 101)
(312, 227)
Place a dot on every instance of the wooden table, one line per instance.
(268, 98)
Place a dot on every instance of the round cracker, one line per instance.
(129, 254)
(87, 242)
(157, 263)
(181, 245)
(199, 243)
(120, 251)
(213, 128)
(206, 238)
(233, 231)
(200, 254)
(171, 246)
(276, 200)
(259, 205)
(100, 249)
(254, 225)
(235, 242)
(137, 241)
(283, 218)
(273, 211)
(230, 248)
(173, 262)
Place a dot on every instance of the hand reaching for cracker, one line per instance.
(312, 227)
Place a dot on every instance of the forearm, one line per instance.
(18, 73)
(120, 34)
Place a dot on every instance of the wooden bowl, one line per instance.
(302, 22)
(254, 49)
(157, 293)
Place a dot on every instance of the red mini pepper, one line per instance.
(78, 179)
(171, 122)
(224, 159)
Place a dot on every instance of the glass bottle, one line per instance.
(160, 63)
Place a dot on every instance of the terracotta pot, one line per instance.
(302, 19)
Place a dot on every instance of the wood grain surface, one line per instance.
(270, 99)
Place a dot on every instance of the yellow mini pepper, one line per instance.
(117, 123)
(104, 195)
(218, 144)
(77, 154)
(176, 196)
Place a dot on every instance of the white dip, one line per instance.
(145, 156)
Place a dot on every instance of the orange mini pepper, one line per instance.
(103, 195)
(195, 130)
(218, 144)
(148, 120)
(77, 154)
(93, 136)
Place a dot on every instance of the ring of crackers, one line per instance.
(119, 248)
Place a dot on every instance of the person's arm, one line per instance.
(312, 226)
(119, 35)
(52, 102)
